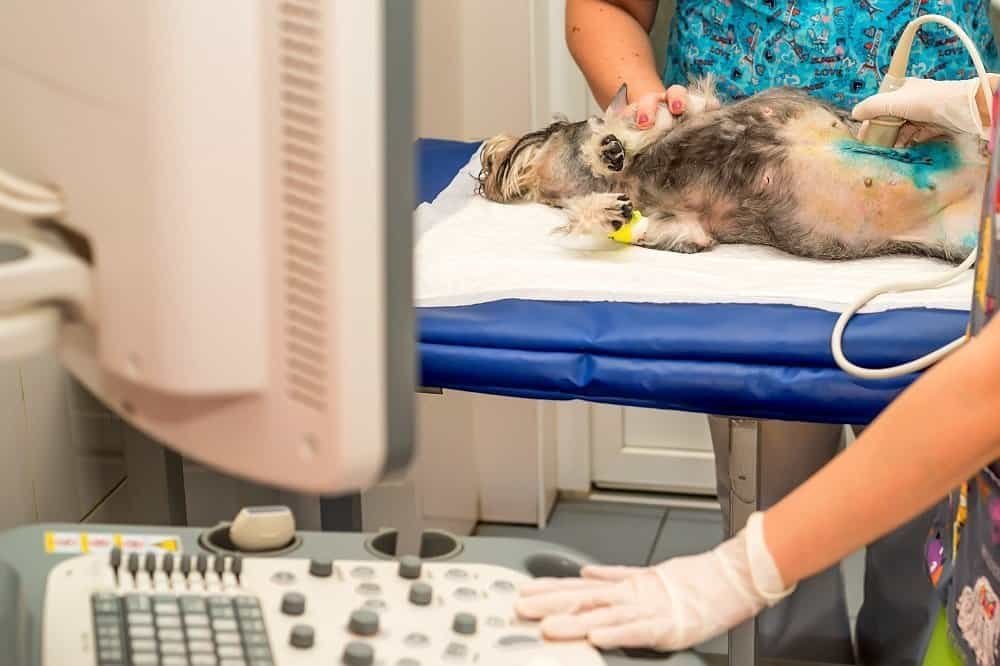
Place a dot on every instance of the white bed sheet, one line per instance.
(471, 251)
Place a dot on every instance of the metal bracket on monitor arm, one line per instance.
(37, 281)
(744, 480)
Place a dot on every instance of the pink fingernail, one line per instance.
(642, 119)
(677, 106)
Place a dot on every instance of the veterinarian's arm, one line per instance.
(609, 40)
(936, 435)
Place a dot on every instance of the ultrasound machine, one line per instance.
(205, 209)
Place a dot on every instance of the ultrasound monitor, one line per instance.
(206, 208)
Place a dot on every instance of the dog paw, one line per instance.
(598, 213)
(612, 153)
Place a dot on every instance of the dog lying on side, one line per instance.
(779, 169)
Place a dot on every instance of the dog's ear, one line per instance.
(620, 101)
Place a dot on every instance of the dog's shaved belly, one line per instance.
(858, 194)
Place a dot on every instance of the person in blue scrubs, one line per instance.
(837, 50)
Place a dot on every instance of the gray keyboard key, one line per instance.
(456, 651)
(170, 635)
(174, 660)
(258, 652)
(254, 638)
(249, 626)
(107, 620)
(203, 660)
(141, 631)
(363, 573)
(199, 633)
(172, 648)
(227, 638)
(146, 659)
(247, 602)
(139, 603)
(109, 643)
(219, 600)
(168, 621)
(516, 640)
(224, 611)
(106, 606)
(250, 614)
(261, 662)
(231, 651)
(111, 655)
(162, 608)
(140, 618)
(369, 589)
(224, 625)
(196, 620)
(193, 605)
(503, 586)
(200, 646)
(233, 662)
(143, 645)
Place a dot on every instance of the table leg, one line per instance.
(744, 466)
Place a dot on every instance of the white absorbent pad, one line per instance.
(471, 250)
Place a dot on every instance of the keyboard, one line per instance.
(203, 610)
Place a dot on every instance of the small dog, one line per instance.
(780, 169)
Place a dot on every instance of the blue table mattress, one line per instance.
(762, 361)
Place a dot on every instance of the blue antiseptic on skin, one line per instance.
(919, 163)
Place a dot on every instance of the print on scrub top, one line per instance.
(963, 548)
(838, 50)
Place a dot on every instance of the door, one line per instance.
(652, 450)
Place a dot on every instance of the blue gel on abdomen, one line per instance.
(919, 163)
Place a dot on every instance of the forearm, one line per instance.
(936, 435)
(610, 42)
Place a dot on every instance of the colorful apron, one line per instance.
(963, 548)
(836, 49)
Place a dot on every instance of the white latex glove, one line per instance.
(948, 104)
(672, 606)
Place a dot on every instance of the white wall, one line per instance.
(485, 68)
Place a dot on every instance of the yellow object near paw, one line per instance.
(625, 234)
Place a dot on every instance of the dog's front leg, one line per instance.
(598, 213)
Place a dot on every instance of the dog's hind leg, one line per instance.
(680, 231)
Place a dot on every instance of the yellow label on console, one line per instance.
(75, 543)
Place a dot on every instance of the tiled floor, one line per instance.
(638, 535)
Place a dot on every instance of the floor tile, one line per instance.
(608, 532)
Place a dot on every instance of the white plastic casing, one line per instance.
(224, 161)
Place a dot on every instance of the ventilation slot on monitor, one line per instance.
(303, 197)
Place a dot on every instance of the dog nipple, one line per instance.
(868, 182)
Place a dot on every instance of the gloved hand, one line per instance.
(952, 105)
(672, 606)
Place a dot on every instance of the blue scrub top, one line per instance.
(837, 50)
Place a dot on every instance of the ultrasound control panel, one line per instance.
(219, 610)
